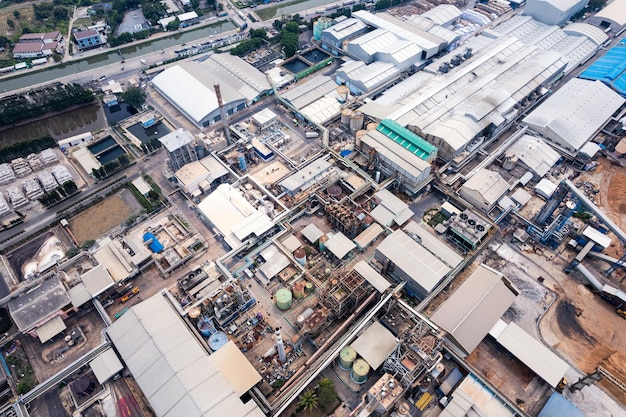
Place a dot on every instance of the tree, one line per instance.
(326, 393)
(87, 244)
(292, 27)
(60, 13)
(134, 96)
(278, 24)
(16, 13)
(308, 400)
(173, 25)
(71, 252)
(11, 23)
(289, 43)
(153, 195)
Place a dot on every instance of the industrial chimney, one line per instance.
(282, 357)
(218, 93)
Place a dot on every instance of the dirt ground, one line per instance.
(25, 253)
(108, 214)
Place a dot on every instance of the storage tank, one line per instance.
(620, 148)
(194, 313)
(342, 93)
(308, 288)
(359, 135)
(323, 241)
(218, 340)
(356, 121)
(205, 328)
(372, 126)
(283, 299)
(305, 315)
(346, 358)
(346, 114)
(359, 371)
(509, 161)
(300, 256)
(335, 191)
(298, 289)
(241, 158)
(437, 370)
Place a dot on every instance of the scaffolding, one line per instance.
(344, 294)
(344, 219)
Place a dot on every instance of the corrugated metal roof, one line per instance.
(559, 406)
(368, 76)
(489, 184)
(339, 245)
(275, 261)
(368, 235)
(534, 153)
(443, 14)
(39, 303)
(598, 237)
(434, 245)
(534, 354)
(97, 280)
(304, 94)
(375, 344)
(303, 178)
(175, 373)
(50, 329)
(312, 233)
(377, 281)
(473, 309)
(176, 139)
(79, 294)
(344, 30)
(105, 365)
(407, 162)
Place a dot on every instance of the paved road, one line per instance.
(48, 405)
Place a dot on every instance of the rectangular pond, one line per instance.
(157, 131)
(110, 154)
(295, 66)
(315, 56)
(102, 145)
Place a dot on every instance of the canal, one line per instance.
(113, 56)
(290, 7)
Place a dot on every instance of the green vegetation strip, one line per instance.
(270, 12)
(22, 149)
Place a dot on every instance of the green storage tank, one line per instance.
(283, 299)
(359, 372)
(346, 358)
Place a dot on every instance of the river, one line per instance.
(290, 7)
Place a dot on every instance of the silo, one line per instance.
(205, 327)
(346, 358)
(342, 93)
(300, 256)
(323, 241)
(346, 114)
(298, 289)
(218, 340)
(359, 371)
(356, 121)
(437, 370)
(283, 299)
(359, 135)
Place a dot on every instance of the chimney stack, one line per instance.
(218, 93)
(282, 357)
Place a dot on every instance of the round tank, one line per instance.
(372, 126)
(308, 288)
(509, 162)
(620, 148)
(323, 241)
(218, 340)
(345, 116)
(403, 409)
(356, 121)
(367, 221)
(298, 289)
(334, 191)
(283, 299)
(342, 93)
(194, 313)
(305, 315)
(204, 327)
(437, 370)
(300, 256)
(359, 135)
(359, 371)
(346, 358)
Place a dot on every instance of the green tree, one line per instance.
(153, 195)
(277, 24)
(308, 400)
(134, 96)
(173, 25)
(258, 33)
(11, 23)
(60, 14)
(16, 14)
(123, 160)
(72, 251)
(289, 43)
(292, 27)
(326, 393)
(87, 244)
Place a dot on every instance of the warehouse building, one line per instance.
(573, 115)
(189, 86)
(484, 189)
(610, 69)
(475, 307)
(533, 152)
(445, 15)
(475, 100)
(334, 37)
(577, 41)
(612, 17)
(430, 26)
(311, 175)
(315, 99)
(362, 78)
(553, 12)
(383, 45)
(404, 259)
(175, 372)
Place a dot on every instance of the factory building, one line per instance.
(612, 17)
(179, 148)
(610, 69)
(484, 189)
(475, 307)
(311, 175)
(175, 372)
(362, 78)
(430, 26)
(445, 15)
(334, 36)
(474, 100)
(467, 230)
(577, 41)
(189, 86)
(533, 152)
(199, 177)
(316, 99)
(572, 116)
(553, 12)
(383, 45)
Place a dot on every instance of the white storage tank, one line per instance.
(356, 121)
(345, 116)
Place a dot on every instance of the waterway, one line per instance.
(291, 7)
(113, 56)
(60, 126)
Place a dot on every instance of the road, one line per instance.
(48, 405)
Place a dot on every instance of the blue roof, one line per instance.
(155, 246)
(559, 406)
(610, 69)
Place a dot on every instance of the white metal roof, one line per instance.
(141, 185)
(235, 368)
(391, 201)
(236, 73)
(175, 373)
(534, 354)
(187, 16)
(377, 281)
(443, 14)
(375, 344)
(344, 30)
(391, 209)
(368, 235)
(382, 215)
(305, 177)
(473, 398)
(79, 294)
(545, 187)
(413, 259)
(408, 162)
(264, 116)
(32, 307)
(489, 184)
(275, 261)
(595, 34)
(339, 245)
(97, 280)
(574, 113)
(597, 236)
(534, 153)
(50, 329)
(323, 109)
(105, 365)
(521, 196)
(434, 245)
(304, 94)
(312, 233)
(615, 11)
(291, 243)
(176, 139)
(473, 309)
(368, 76)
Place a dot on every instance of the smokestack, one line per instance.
(282, 357)
(218, 93)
